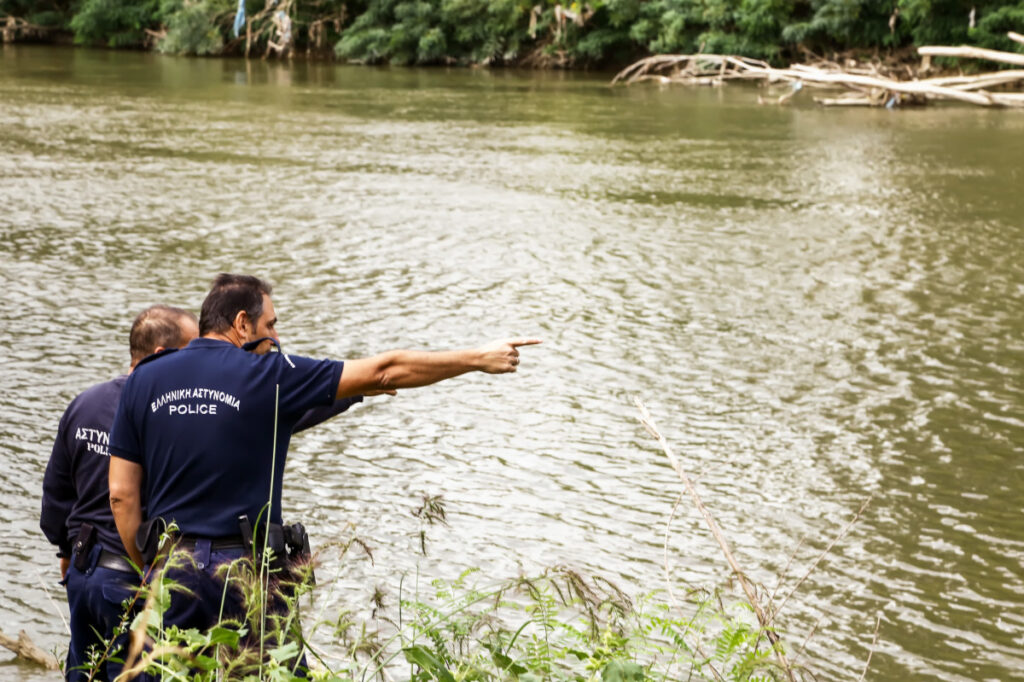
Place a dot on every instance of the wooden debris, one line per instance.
(873, 84)
(973, 53)
(14, 28)
(24, 648)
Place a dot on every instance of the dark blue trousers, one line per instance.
(96, 598)
(201, 606)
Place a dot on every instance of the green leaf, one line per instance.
(430, 664)
(204, 662)
(224, 636)
(285, 652)
(505, 663)
(622, 671)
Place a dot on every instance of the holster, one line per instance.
(297, 541)
(82, 546)
(147, 539)
(289, 544)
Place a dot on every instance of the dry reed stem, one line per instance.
(874, 641)
(748, 589)
(1016, 37)
(785, 570)
(837, 538)
(668, 585)
(807, 639)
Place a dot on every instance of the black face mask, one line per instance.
(252, 345)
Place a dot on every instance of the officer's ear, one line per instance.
(241, 323)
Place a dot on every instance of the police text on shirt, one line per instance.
(174, 398)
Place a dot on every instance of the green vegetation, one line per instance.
(544, 33)
(556, 626)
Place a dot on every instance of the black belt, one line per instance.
(115, 562)
(216, 544)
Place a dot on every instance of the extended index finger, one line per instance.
(515, 343)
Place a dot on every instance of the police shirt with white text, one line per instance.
(202, 423)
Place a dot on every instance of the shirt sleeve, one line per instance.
(318, 415)
(125, 441)
(306, 383)
(58, 491)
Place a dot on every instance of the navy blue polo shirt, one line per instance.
(201, 423)
(75, 483)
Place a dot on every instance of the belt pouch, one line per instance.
(245, 528)
(83, 546)
(147, 539)
(201, 553)
(275, 540)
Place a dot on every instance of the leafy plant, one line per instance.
(193, 28)
(115, 23)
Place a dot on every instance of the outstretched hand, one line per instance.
(500, 357)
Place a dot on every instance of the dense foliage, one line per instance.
(544, 32)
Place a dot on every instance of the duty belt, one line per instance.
(82, 549)
(285, 542)
(216, 544)
(115, 562)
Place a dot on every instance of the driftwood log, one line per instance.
(972, 53)
(24, 648)
(865, 85)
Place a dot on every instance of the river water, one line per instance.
(816, 305)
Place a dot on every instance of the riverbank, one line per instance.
(509, 33)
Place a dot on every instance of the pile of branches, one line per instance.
(870, 85)
(13, 28)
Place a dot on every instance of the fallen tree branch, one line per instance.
(24, 648)
(874, 85)
(972, 53)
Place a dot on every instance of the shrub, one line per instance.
(115, 23)
(192, 27)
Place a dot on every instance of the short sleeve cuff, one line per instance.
(125, 454)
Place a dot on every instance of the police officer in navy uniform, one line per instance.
(76, 512)
(76, 499)
(201, 436)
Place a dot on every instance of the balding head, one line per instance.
(159, 327)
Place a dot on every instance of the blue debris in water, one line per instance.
(891, 104)
(240, 17)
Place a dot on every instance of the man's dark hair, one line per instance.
(228, 295)
(158, 325)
